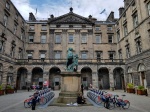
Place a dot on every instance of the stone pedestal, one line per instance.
(70, 87)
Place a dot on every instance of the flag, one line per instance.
(103, 11)
(36, 11)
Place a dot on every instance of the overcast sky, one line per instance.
(60, 7)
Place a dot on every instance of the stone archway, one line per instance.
(21, 81)
(141, 71)
(86, 77)
(118, 75)
(103, 78)
(55, 78)
(37, 77)
(10, 75)
(130, 75)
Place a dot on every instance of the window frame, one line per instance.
(98, 39)
(71, 35)
(43, 38)
(84, 55)
(57, 53)
(58, 39)
(31, 35)
(110, 39)
(83, 38)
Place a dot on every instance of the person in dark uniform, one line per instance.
(82, 87)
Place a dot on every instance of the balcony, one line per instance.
(63, 61)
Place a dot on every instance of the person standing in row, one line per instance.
(82, 88)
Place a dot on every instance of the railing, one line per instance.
(63, 61)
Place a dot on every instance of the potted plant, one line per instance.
(2, 90)
(9, 89)
(141, 90)
(130, 88)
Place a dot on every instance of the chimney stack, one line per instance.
(121, 10)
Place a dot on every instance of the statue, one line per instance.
(72, 61)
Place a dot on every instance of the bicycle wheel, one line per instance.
(126, 105)
(111, 105)
(42, 101)
(27, 104)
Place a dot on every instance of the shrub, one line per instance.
(9, 87)
(141, 87)
(130, 85)
(1, 87)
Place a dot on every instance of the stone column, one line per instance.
(46, 76)
(95, 79)
(111, 79)
(29, 78)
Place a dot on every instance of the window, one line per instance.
(83, 55)
(148, 7)
(111, 55)
(16, 16)
(83, 26)
(12, 52)
(22, 33)
(110, 38)
(58, 26)
(30, 55)
(120, 53)
(44, 27)
(125, 30)
(98, 39)
(22, 24)
(127, 51)
(149, 34)
(70, 26)
(15, 29)
(97, 28)
(57, 55)
(43, 39)
(84, 38)
(118, 36)
(138, 46)
(98, 55)
(7, 6)
(20, 54)
(71, 38)
(135, 20)
(42, 55)
(5, 20)
(1, 46)
(109, 28)
(58, 39)
(31, 27)
(31, 38)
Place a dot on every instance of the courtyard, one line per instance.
(14, 103)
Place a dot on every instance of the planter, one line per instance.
(142, 92)
(9, 91)
(2, 92)
(130, 90)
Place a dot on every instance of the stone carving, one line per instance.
(70, 18)
(72, 61)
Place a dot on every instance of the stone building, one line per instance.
(37, 52)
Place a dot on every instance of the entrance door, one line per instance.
(143, 80)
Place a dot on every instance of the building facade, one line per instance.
(35, 51)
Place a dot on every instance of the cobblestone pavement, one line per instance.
(14, 103)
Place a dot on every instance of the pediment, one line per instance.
(70, 18)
